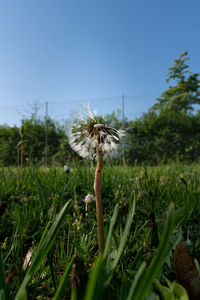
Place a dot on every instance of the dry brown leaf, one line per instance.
(28, 257)
(79, 277)
(186, 272)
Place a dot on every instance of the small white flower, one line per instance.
(89, 198)
(90, 136)
(66, 169)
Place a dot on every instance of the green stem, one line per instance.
(99, 208)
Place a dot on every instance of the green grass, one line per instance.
(34, 214)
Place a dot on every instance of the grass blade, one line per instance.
(112, 224)
(141, 290)
(62, 284)
(173, 291)
(43, 248)
(137, 279)
(125, 235)
(96, 281)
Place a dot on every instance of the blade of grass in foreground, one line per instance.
(99, 274)
(112, 224)
(144, 278)
(125, 235)
(173, 291)
(43, 248)
(62, 284)
(96, 281)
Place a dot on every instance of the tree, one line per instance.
(59, 151)
(34, 141)
(185, 94)
(9, 138)
(171, 128)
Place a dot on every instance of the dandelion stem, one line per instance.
(99, 208)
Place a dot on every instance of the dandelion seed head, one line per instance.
(89, 198)
(89, 134)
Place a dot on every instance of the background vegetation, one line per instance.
(169, 131)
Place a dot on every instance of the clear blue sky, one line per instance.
(72, 52)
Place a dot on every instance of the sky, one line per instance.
(72, 52)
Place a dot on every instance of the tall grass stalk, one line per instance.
(99, 208)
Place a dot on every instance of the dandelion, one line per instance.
(88, 199)
(92, 137)
(66, 169)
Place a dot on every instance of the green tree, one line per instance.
(185, 93)
(171, 128)
(59, 151)
(9, 138)
(34, 141)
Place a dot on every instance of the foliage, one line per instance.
(34, 149)
(185, 94)
(34, 139)
(170, 130)
(31, 202)
(9, 138)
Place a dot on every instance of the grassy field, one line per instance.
(43, 212)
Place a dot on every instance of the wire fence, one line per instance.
(62, 110)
